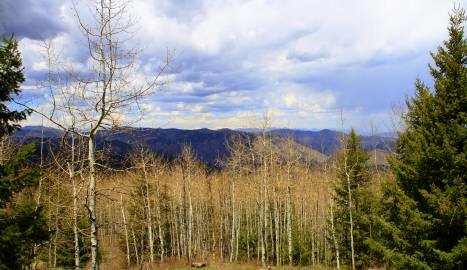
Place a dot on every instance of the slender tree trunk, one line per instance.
(333, 231)
(71, 173)
(190, 220)
(39, 186)
(75, 224)
(232, 233)
(289, 225)
(276, 226)
(289, 210)
(350, 218)
(149, 212)
(159, 216)
(263, 213)
(313, 236)
(135, 245)
(125, 229)
(237, 236)
(247, 234)
(92, 203)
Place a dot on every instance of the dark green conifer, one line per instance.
(352, 177)
(22, 224)
(424, 221)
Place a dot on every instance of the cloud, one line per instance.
(30, 18)
(306, 60)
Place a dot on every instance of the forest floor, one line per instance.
(115, 259)
(230, 266)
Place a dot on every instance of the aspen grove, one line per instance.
(74, 202)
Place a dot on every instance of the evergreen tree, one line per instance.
(353, 178)
(424, 225)
(22, 224)
(11, 77)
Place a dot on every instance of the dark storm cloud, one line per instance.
(30, 18)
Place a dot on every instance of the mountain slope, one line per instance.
(326, 141)
(209, 145)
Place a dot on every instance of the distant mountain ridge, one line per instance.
(326, 140)
(209, 145)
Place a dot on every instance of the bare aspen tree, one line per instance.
(102, 96)
(143, 163)
(350, 204)
(236, 150)
(264, 179)
(135, 245)
(276, 225)
(125, 228)
(71, 173)
(188, 163)
(331, 217)
(291, 159)
(158, 209)
(346, 168)
(232, 235)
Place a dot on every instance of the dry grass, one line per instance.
(180, 265)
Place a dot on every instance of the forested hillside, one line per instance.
(86, 191)
(209, 146)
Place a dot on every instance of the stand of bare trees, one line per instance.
(269, 203)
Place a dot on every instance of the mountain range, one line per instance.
(208, 145)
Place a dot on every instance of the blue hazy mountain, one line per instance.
(209, 145)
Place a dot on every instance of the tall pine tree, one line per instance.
(353, 178)
(22, 224)
(424, 222)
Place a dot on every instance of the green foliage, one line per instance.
(65, 245)
(353, 174)
(22, 224)
(351, 164)
(424, 220)
(244, 242)
(11, 76)
(301, 251)
(21, 229)
(14, 177)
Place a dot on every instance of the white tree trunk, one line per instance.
(71, 173)
(333, 231)
(232, 233)
(149, 213)
(350, 217)
(159, 216)
(92, 204)
(135, 245)
(289, 207)
(75, 223)
(289, 226)
(125, 229)
(190, 220)
(276, 226)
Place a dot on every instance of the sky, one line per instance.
(302, 62)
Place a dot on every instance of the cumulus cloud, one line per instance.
(304, 60)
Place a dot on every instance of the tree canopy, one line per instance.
(425, 219)
(22, 224)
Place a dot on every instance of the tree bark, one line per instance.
(148, 207)
(159, 216)
(125, 229)
(92, 203)
(232, 233)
